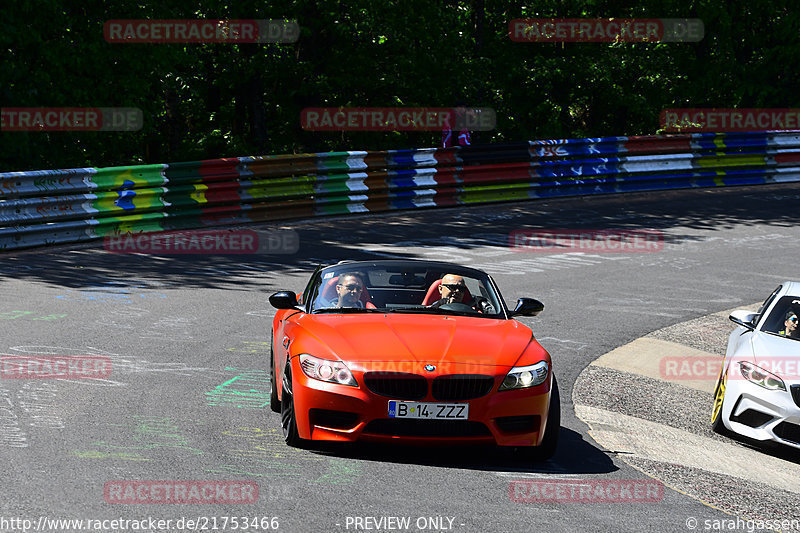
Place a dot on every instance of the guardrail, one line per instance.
(64, 206)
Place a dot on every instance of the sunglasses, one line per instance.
(792, 319)
(453, 287)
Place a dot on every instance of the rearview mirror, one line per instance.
(528, 307)
(744, 318)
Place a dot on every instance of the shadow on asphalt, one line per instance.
(573, 456)
(458, 228)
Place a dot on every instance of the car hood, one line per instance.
(770, 349)
(434, 339)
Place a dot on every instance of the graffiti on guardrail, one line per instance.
(141, 199)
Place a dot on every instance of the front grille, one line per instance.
(460, 387)
(332, 419)
(796, 394)
(399, 385)
(427, 428)
(788, 431)
(752, 418)
(518, 424)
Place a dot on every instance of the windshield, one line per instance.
(783, 319)
(420, 288)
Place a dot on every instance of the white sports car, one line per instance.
(758, 390)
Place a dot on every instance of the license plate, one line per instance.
(432, 411)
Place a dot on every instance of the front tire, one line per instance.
(288, 417)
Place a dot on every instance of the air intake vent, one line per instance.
(796, 394)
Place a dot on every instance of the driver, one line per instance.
(790, 326)
(348, 291)
(454, 290)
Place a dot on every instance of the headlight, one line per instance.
(523, 377)
(759, 376)
(324, 370)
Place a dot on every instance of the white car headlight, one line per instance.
(523, 377)
(759, 376)
(325, 370)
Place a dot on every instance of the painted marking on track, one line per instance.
(249, 389)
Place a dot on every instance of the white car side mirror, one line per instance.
(744, 318)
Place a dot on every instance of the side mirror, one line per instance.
(283, 300)
(743, 318)
(528, 307)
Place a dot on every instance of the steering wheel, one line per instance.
(482, 304)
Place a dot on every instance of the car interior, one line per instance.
(385, 289)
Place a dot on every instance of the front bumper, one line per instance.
(331, 412)
(761, 414)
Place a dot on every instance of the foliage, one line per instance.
(203, 101)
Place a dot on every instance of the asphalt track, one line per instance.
(188, 340)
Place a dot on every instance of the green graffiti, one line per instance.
(151, 433)
(89, 454)
(340, 471)
(262, 453)
(252, 347)
(13, 315)
(248, 390)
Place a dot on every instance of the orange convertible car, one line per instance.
(410, 351)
